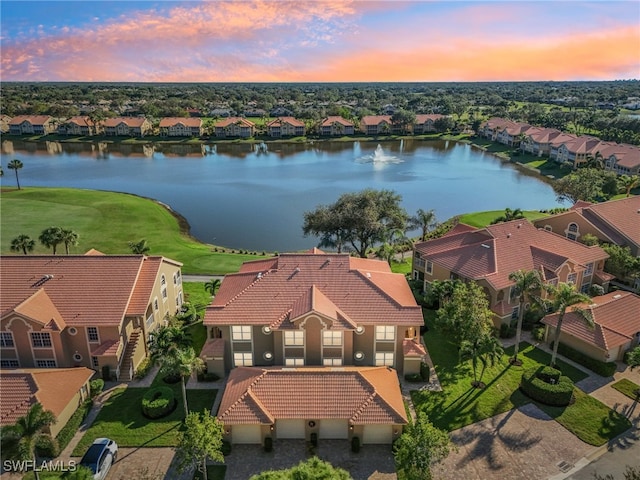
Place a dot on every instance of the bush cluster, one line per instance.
(96, 386)
(47, 447)
(158, 402)
(538, 333)
(605, 369)
(547, 385)
(143, 368)
(73, 425)
(507, 331)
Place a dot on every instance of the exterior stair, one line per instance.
(126, 367)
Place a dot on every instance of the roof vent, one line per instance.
(485, 245)
(297, 269)
(617, 296)
(519, 225)
(368, 275)
(508, 235)
(259, 275)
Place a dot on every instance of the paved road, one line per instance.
(200, 278)
(614, 462)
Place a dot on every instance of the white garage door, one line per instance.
(377, 434)
(334, 428)
(290, 428)
(246, 434)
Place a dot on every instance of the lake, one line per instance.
(253, 197)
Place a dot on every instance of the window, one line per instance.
(242, 359)
(331, 338)
(384, 358)
(155, 303)
(164, 294)
(294, 338)
(241, 333)
(294, 362)
(175, 279)
(73, 331)
(6, 339)
(268, 356)
(359, 330)
(163, 281)
(571, 278)
(266, 330)
(386, 332)
(429, 267)
(359, 356)
(548, 228)
(77, 357)
(589, 270)
(94, 362)
(46, 363)
(515, 312)
(332, 362)
(572, 231)
(40, 339)
(92, 334)
(9, 364)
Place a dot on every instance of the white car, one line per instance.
(100, 456)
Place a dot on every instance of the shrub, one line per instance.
(605, 369)
(73, 425)
(158, 402)
(96, 386)
(413, 377)
(268, 444)
(425, 371)
(596, 290)
(171, 378)
(143, 368)
(531, 317)
(355, 444)
(226, 447)
(47, 447)
(507, 331)
(547, 385)
(538, 333)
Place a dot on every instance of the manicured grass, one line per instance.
(403, 267)
(628, 388)
(195, 294)
(121, 419)
(108, 221)
(482, 219)
(459, 404)
(198, 333)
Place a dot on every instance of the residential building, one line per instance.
(81, 126)
(488, 255)
(181, 127)
(90, 310)
(235, 127)
(59, 390)
(127, 127)
(615, 330)
(512, 133)
(537, 141)
(336, 126)
(622, 158)
(299, 328)
(32, 125)
(425, 123)
(578, 150)
(376, 124)
(285, 127)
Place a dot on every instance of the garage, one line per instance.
(334, 428)
(246, 434)
(290, 428)
(377, 434)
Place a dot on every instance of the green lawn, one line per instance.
(198, 333)
(459, 404)
(482, 219)
(195, 293)
(121, 419)
(628, 388)
(403, 267)
(108, 221)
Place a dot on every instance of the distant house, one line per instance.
(376, 124)
(181, 127)
(538, 141)
(285, 127)
(59, 390)
(221, 112)
(336, 126)
(488, 255)
(616, 318)
(425, 123)
(32, 125)
(622, 158)
(235, 127)
(89, 310)
(127, 127)
(280, 111)
(81, 125)
(577, 151)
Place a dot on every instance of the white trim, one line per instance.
(89, 339)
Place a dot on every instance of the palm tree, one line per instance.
(212, 286)
(628, 183)
(509, 215)
(16, 165)
(24, 435)
(23, 243)
(185, 363)
(484, 349)
(423, 220)
(564, 296)
(527, 283)
(139, 248)
(166, 340)
(69, 237)
(51, 237)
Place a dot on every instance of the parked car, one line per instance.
(100, 456)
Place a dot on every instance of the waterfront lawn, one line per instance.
(108, 221)
(482, 219)
(628, 388)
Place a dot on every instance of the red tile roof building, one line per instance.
(31, 125)
(235, 127)
(336, 126)
(127, 126)
(285, 127)
(181, 127)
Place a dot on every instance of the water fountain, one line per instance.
(379, 157)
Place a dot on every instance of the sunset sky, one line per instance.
(319, 41)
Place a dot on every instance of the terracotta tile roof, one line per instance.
(85, 289)
(213, 348)
(327, 122)
(282, 120)
(143, 289)
(368, 395)
(616, 317)
(52, 388)
(41, 309)
(375, 119)
(516, 128)
(82, 121)
(315, 301)
(192, 122)
(225, 122)
(129, 121)
(492, 253)
(354, 295)
(619, 219)
(108, 348)
(33, 119)
(543, 135)
(411, 348)
(562, 138)
(422, 118)
(93, 251)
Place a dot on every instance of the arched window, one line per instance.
(572, 231)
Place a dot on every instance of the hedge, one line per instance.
(534, 385)
(158, 402)
(605, 369)
(73, 424)
(96, 386)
